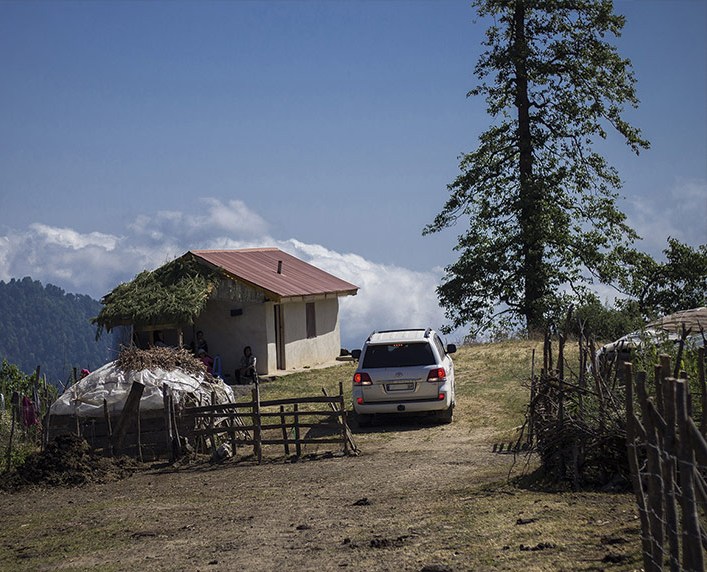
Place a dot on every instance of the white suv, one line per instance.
(404, 371)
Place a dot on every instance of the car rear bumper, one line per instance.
(401, 406)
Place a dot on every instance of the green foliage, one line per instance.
(13, 379)
(540, 202)
(44, 326)
(662, 288)
(605, 322)
(174, 293)
(25, 441)
(646, 354)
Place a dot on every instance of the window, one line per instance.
(398, 355)
(311, 320)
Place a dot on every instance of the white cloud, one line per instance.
(94, 263)
(211, 220)
(681, 214)
(389, 296)
(69, 238)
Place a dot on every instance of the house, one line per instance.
(285, 309)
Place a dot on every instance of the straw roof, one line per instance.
(175, 293)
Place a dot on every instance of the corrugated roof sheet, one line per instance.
(259, 267)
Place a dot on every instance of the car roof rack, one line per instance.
(427, 331)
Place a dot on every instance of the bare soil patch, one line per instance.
(420, 496)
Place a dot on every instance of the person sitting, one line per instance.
(159, 340)
(247, 369)
(207, 360)
(199, 343)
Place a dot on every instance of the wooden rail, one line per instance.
(276, 422)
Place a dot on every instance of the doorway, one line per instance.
(279, 337)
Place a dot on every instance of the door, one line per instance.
(279, 337)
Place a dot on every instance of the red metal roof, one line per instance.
(259, 268)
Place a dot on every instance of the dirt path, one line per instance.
(383, 510)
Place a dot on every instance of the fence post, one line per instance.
(109, 428)
(13, 406)
(692, 556)
(533, 391)
(669, 444)
(298, 444)
(212, 439)
(655, 480)
(167, 420)
(284, 430)
(703, 388)
(342, 419)
(631, 445)
(257, 432)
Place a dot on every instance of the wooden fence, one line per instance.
(668, 458)
(586, 424)
(291, 423)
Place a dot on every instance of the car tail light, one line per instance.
(437, 374)
(441, 396)
(359, 401)
(362, 378)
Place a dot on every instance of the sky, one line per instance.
(132, 132)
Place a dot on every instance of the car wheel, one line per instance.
(447, 415)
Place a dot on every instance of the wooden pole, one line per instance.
(693, 558)
(167, 420)
(632, 445)
(127, 416)
(15, 398)
(533, 390)
(138, 428)
(703, 388)
(342, 419)
(176, 444)
(655, 480)
(257, 432)
(668, 466)
(212, 439)
(284, 430)
(298, 444)
(109, 429)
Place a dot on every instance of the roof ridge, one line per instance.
(254, 249)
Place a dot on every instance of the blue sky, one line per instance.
(131, 132)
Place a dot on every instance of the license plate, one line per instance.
(400, 386)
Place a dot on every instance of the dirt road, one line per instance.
(383, 510)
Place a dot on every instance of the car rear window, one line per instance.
(398, 355)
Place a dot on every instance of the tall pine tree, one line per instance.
(540, 202)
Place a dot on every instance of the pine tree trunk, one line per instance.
(530, 192)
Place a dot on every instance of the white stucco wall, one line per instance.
(301, 351)
(228, 334)
(254, 325)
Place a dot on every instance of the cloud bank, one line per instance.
(681, 214)
(94, 263)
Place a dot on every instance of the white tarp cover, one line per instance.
(85, 398)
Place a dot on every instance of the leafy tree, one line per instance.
(661, 288)
(541, 202)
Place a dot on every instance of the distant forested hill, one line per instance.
(43, 325)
